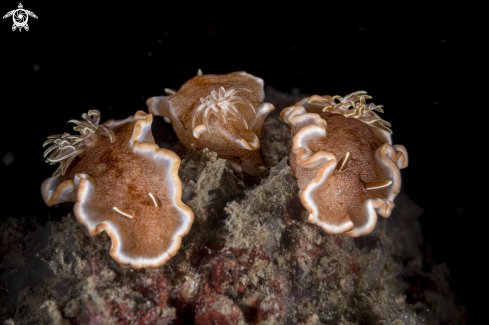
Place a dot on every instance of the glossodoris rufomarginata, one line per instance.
(122, 183)
(224, 113)
(344, 161)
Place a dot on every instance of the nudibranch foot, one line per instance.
(345, 165)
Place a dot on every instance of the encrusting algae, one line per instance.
(250, 257)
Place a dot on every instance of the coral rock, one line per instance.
(218, 310)
(250, 258)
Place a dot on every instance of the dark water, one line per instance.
(416, 62)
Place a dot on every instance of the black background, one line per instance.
(419, 62)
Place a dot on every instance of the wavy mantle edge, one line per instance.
(82, 187)
(390, 158)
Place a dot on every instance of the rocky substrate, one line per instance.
(250, 258)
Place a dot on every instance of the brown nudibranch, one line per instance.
(344, 161)
(224, 113)
(122, 183)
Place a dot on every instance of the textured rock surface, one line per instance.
(250, 258)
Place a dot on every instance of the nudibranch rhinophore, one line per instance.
(224, 113)
(344, 161)
(122, 183)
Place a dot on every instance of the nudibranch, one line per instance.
(344, 161)
(122, 183)
(224, 113)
